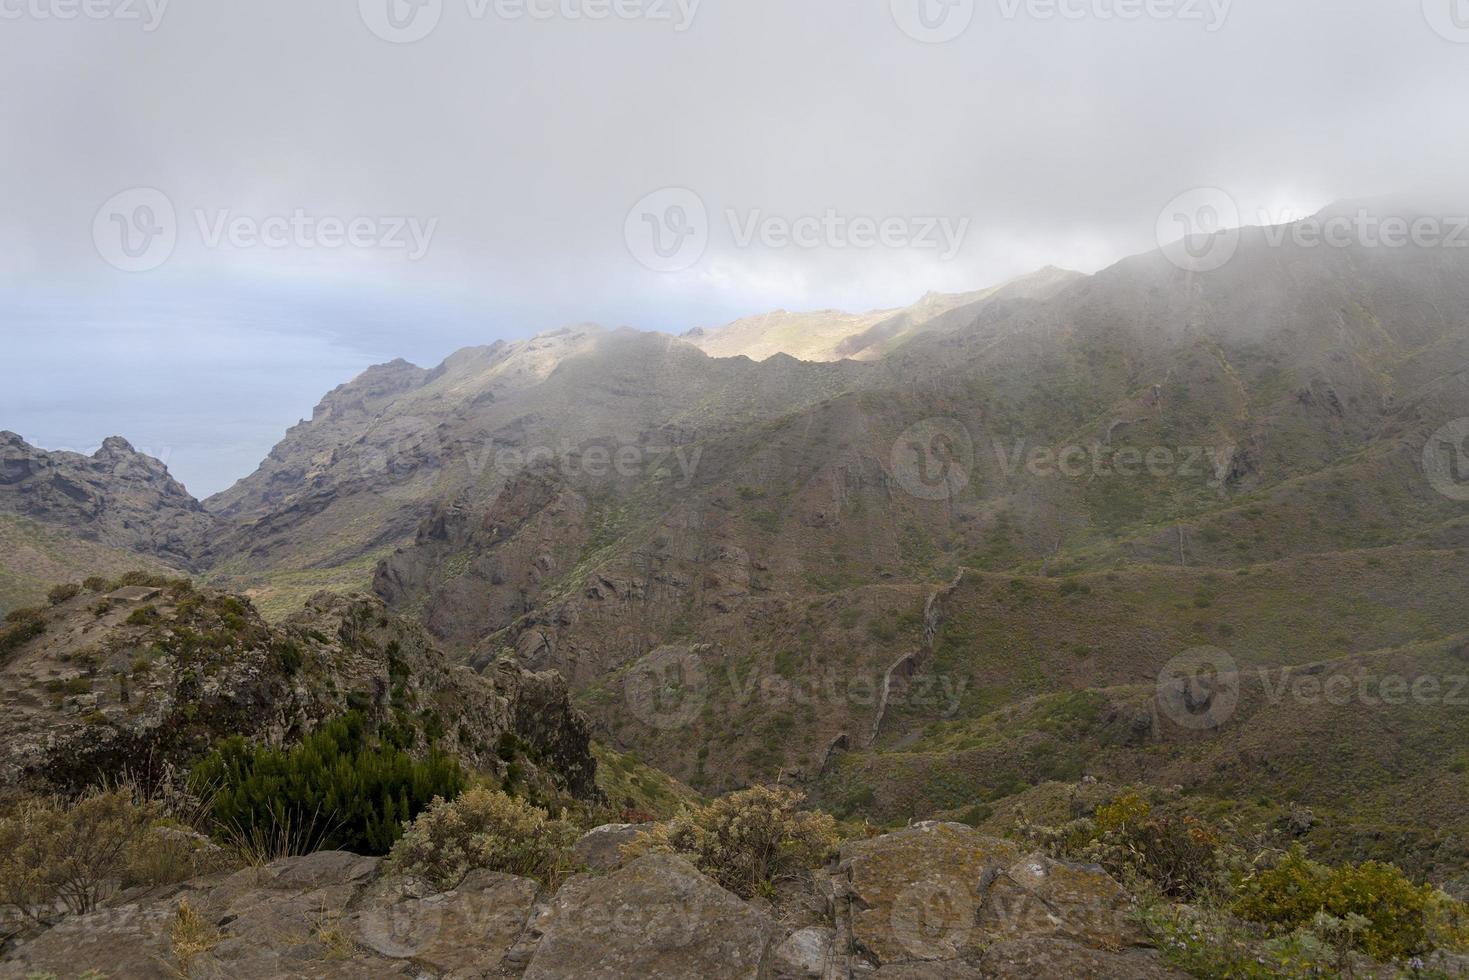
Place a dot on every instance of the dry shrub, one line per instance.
(57, 855)
(62, 593)
(1180, 857)
(190, 936)
(61, 855)
(747, 841)
(483, 828)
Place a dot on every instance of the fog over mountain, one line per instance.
(529, 140)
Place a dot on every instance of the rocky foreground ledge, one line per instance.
(932, 901)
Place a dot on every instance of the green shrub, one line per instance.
(146, 579)
(488, 829)
(342, 788)
(24, 615)
(21, 625)
(747, 841)
(61, 593)
(1292, 894)
(1204, 941)
(1072, 586)
(288, 655)
(143, 616)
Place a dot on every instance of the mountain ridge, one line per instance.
(1124, 466)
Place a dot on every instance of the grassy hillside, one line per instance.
(34, 557)
(1373, 744)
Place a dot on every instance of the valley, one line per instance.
(933, 563)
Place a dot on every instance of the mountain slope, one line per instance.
(35, 556)
(1289, 521)
(356, 481)
(832, 335)
(1017, 506)
(66, 516)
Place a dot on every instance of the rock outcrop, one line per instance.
(933, 902)
(600, 849)
(117, 497)
(144, 689)
(943, 900)
(658, 919)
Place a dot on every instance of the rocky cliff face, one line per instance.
(116, 497)
(142, 686)
(934, 901)
(1136, 422)
(356, 481)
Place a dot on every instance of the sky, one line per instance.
(214, 213)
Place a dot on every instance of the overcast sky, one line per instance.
(436, 173)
